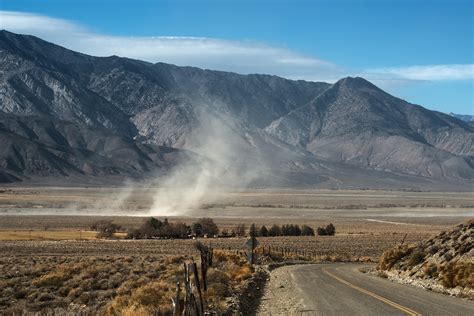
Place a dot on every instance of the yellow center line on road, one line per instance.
(372, 294)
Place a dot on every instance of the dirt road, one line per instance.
(341, 289)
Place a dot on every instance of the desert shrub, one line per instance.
(321, 231)
(105, 229)
(174, 259)
(85, 297)
(152, 299)
(391, 257)
(221, 257)
(433, 249)
(217, 276)
(153, 228)
(415, 258)
(465, 247)
(217, 290)
(296, 230)
(239, 230)
(291, 230)
(447, 256)
(44, 297)
(274, 231)
(55, 279)
(459, 273)
(226, 233)
(307, 231)
(241, 273)
(330, 230)
(175, 230)
(430, 270)
(19, 294)
(253, 232)
(209, 228)
(196, 229)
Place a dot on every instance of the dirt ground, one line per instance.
(41, 227)
(57, 221)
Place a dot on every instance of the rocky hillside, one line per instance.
(463, 117)
(355, 122)
(444, 263)
(347, 134)
(41, 149)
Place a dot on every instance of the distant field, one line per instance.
(45, 235)
(60, 213)
(51, 235)
(367, 222)
(137, 201)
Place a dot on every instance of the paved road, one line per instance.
(341, 289)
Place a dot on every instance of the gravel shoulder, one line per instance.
(280, 296)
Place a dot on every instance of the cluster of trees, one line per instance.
(330, 230)
(285, 230)
(105, 228)
(205, 227)
(154, 228)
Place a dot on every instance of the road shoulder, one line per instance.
(281, 295)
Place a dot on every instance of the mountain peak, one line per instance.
(355, 82)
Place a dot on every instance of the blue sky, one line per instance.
(421, 51)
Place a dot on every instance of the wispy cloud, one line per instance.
(427, 72)
(239, 56)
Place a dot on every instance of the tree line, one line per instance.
(154, 228)
(206, 227)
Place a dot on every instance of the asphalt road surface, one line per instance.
(341, 289)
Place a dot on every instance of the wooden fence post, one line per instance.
(176, 302)
(198, 286)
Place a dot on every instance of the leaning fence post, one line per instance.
(198, 286)
(251, 244)
(176, 302)
(403, 240)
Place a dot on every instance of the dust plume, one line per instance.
(224, 161)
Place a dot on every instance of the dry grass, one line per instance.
(110, 285)
(459, 273)
(392, 256)
(52, 235)
(57, 271)
(47, 235)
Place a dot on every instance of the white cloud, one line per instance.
(218, 54)
(427, 72)
(239, 56)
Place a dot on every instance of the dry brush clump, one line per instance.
(225, 279)
(444, 262)
(392, 256)
(457, 273)
(111, 285)
(55, 284)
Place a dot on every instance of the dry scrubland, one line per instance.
(45, 265)
(111, 285)
(444, 263)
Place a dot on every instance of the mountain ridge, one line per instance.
(266, 118)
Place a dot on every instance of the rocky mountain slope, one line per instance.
(300, 133)
(355, 122)
(463, 117)
(41, 149)
(444, 263)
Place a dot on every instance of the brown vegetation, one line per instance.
(446, 259)
(113, 285)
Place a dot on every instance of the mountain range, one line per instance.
(66, 117)
(463, 117)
